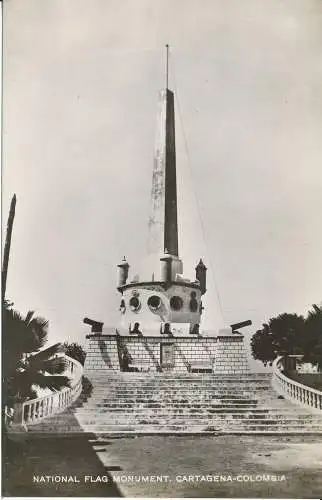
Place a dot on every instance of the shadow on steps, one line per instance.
(71, 456)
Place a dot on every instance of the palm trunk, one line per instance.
(6, 252)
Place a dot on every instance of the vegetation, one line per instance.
(290, 334)
(75, 351)
(26, 365)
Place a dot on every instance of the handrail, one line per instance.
(37, 409)
(294, 391)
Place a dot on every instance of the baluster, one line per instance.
(34, 412)
(28, 412)
(24, 412)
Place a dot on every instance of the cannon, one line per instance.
(242, 324)
(97, 326)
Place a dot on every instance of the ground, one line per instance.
(297, 463)
(72, 456)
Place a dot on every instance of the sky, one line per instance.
(80, 90)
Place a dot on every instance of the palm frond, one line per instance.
(28, 317)
(48, 353)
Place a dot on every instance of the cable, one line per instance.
(194, 190)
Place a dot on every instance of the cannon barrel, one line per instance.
(97, 326)
(236, 326)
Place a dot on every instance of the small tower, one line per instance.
(123, 272)
(201, 276)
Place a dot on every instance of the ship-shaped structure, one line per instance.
(160, 327)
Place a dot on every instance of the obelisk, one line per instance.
(163, 222)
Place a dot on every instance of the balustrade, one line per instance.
(40, 408)
(294, 391)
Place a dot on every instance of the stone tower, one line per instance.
(158, 294)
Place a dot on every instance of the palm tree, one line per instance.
(6, 252)
(26, 366)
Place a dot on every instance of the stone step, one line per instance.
(197, 380)
(198, 419)
(172, 390)
(250, 413)
(177, 381)
(157, 428)
(173, 374)
(181, 395)
(213, 404)
(196, 411)
(141, 403)
(81, 417)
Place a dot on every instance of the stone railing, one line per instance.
(294, 391)
(34, 410)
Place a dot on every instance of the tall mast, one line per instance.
(167, 67)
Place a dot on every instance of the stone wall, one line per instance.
(231, 356)
(225, 355)
(102, 353)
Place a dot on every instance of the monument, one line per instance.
(160, 327)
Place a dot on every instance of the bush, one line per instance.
(75, 351)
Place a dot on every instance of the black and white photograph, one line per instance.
(162, 248)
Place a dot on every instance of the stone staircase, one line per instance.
(165, 403)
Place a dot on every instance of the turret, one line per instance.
(201, 276)
(123, 272)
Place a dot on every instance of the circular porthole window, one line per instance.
(176, 303)
(135, 304)
(154, 302)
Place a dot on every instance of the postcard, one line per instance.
(161, 264)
